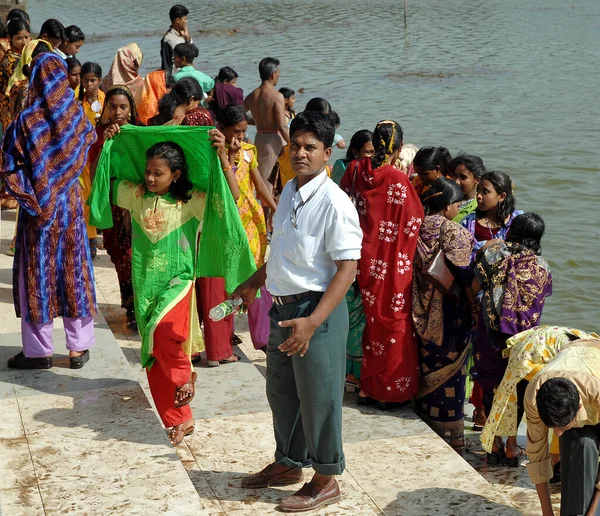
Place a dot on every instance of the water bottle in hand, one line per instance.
(224, 309)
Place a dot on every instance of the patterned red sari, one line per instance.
(390, 215)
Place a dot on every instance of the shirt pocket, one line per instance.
(300, 248)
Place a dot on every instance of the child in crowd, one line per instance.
(90, 94)
(177, 33)
(226, 91)
(53, 32)
(73, 42)
(515, 281)
(289, 97)
(338, 140)
(467, 171)
(167, 196)
(233, 121)
(74, 72)
(495, 209)
(429, 164)
(185, 53)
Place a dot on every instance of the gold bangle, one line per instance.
(228, 168)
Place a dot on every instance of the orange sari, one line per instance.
(155, 86)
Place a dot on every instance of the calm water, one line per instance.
(514, 82)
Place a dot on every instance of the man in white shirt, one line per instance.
(314, 252)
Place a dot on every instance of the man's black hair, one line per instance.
(178, 11)
(557, 402)
(319, 124)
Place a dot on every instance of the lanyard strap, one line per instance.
(295, 213)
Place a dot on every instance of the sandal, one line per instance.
(235, 340)
(177, 433)
(496, 458)
(513, 462)
(182, 402)
(215, 363)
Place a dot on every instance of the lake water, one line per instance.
(514, 82)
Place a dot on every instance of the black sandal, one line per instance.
(20, 361)
(496, 458)
(513, 462)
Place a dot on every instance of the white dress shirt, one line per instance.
(303, 258)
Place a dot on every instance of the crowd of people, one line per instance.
(403, 273)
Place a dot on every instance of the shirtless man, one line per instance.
(267, 106)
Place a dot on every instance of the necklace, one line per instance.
(295, 213)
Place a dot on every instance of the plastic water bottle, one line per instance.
(224, 309)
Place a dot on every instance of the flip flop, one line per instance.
(513, 462)
(179, 431)
(215, 363)
(188, 400)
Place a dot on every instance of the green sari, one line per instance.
(165, 257)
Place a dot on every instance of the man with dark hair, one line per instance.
(53, 32)
(314, 252)
(72, 43)
(267, 106)
(177, 33)
(564, 397)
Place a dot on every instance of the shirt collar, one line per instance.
(306, 191)
(167, 197)
(186, 68)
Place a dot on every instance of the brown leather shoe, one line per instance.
(267, 477)
(308, 498)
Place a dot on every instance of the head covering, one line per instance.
(26, 58)
(198, 117)
(123, 90)
(45, 149)
(155, 87)
(124, 70)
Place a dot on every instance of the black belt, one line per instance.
(286, 300)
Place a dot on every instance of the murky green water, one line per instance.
(515, 82)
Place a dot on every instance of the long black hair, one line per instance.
(86, 68)
(16, 25)
(357, 142)
(502, 184)
(174, 156)
(227, 74)
(184, 91)
(442, 193)
(429, 158)
(120, 90)
(387, 138)
(527, 230)
(40, 48)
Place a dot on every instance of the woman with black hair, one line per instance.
(119, 110)
(467, 171)
(429, 164)
(19, 35)
(515, 281)
(185, 96)
(442, 322)
(390, 214)
(90, 95)
(226, 90)
(361, 146)
(495, 210)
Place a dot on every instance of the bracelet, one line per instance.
(228, 168)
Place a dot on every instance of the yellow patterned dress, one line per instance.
(527, 352)
(251, 212)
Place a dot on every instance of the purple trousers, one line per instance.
(258, 319)
(37, 338)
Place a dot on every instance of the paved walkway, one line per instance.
(89, 442)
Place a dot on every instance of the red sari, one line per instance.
(390, 214)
